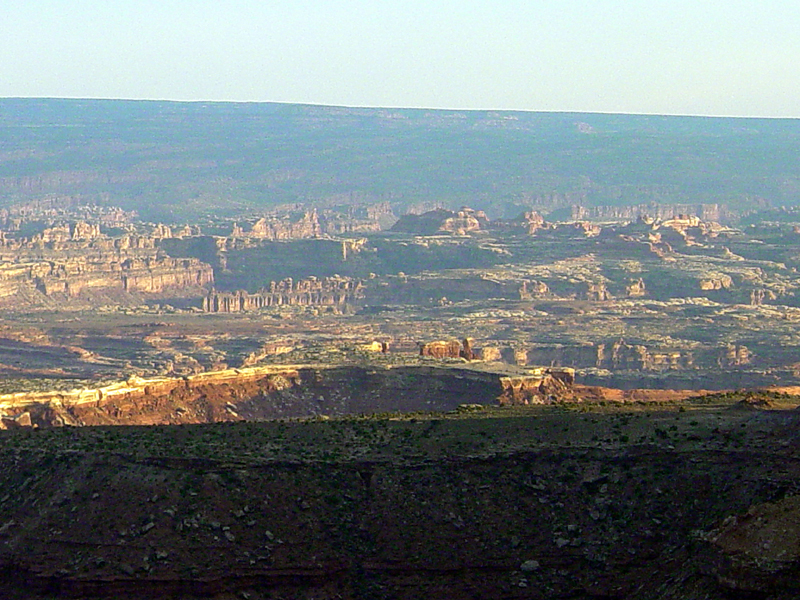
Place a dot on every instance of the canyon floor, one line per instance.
(691, 499)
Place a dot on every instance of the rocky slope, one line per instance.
(544, 504)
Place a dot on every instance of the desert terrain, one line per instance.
(303, 352)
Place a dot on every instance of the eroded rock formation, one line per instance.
(597, 292)
(636, 288)
(533, 289)
(313, 223)
(441, 349)
(76, 259)
(540, 386)
(327, 291)
(716, 282)
(448, 349)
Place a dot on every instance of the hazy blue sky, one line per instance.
(727, 57)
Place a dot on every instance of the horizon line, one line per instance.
(398, 107)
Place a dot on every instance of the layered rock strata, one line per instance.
(75, 259)
(71, 277)
(620, 355)
(706, 212)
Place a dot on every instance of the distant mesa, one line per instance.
(465, 221)
(176, 160)
(440, 220)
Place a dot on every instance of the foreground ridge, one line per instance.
(537, 502)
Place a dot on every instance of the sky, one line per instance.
(698, 57)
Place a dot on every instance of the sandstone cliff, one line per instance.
(158, 275)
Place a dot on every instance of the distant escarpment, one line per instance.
(185, 160)
(706, 212)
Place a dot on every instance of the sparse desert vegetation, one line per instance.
(592, 499)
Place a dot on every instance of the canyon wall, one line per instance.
(65, 260)
(107, 273)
